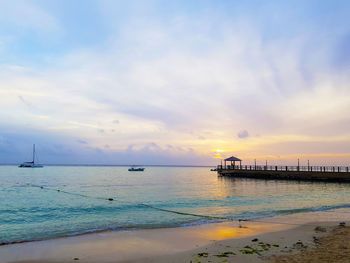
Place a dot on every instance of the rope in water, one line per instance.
(70, 193)
(141, 204)
(183, 213)
(187, 214)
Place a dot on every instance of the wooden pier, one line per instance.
(309, 173)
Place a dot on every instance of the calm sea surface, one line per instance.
(28, 212)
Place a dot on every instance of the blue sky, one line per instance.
(174, 82)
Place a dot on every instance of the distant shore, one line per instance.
(270, 239)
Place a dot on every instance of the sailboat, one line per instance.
(31, 164)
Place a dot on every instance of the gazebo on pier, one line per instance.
(233, 161)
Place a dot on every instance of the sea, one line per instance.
(57, 201)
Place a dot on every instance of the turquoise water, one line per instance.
(28, 212)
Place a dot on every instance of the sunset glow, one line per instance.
(190, 83)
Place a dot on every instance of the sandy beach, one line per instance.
(273, 240)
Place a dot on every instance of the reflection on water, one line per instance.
(33, 213)
(230, 230)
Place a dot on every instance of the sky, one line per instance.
(175, 82)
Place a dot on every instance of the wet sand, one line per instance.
(269, 240)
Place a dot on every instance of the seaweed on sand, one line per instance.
(225, 254)
(203, 254)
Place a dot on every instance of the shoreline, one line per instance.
(166, 244)
(200, 222)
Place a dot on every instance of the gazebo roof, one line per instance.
(232, 158)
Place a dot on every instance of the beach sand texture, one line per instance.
(314, 241)
(334, 247)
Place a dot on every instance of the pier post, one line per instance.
(286, 168)
(255, 163)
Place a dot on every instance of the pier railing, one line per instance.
(333, 169)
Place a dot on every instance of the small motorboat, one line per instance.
(214, 169)
(135, 169)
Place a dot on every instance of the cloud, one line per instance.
(28, 104)
(243, 134)
(28, 15)
(185, 80)
(53, 148)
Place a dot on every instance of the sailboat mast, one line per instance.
(33, 152)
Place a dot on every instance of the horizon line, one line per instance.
(160, 165)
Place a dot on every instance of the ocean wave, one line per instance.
(246, 215)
